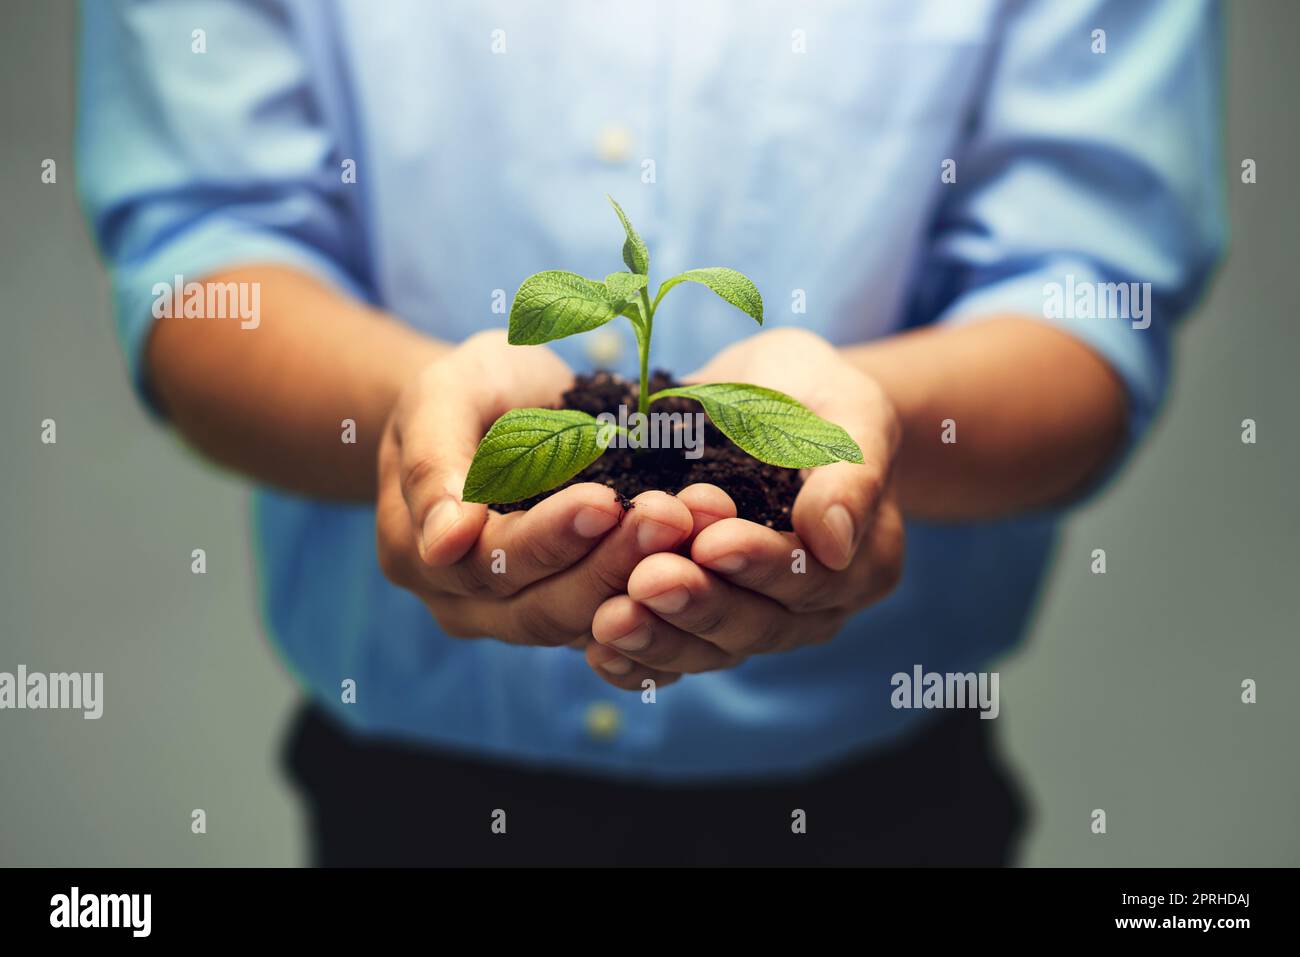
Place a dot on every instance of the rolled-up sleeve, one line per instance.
(201, 146)
(1093, 159)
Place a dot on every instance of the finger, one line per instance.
(557, 608)
(624, 673)
(738, 621)
(641, 635)
(778, 565)
(708, 504)
(517, 549)
(437, 433)
(837, 503)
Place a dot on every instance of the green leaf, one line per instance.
(529, 451)
(624, 286)
(552, 305)
(635, 253)
(735, 287)
(770, 425)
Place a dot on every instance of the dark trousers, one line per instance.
(941, 797)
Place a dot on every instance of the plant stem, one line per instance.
(643, 346)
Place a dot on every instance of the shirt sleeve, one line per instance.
(1092, 159)
(198, 151)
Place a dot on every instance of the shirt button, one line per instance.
(604, 348)
(614, 144)
(602, 721)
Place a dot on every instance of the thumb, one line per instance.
(837, 504)
(438, 435)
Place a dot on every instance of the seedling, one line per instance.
(530, 451)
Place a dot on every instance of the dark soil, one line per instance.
(763, 493)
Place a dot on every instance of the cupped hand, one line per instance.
(534, 577)
(747, 589)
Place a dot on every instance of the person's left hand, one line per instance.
(745, 588)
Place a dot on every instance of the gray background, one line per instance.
(1126, 698)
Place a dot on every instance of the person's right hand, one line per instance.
(562, 558)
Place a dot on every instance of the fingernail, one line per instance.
(590, 522)
(652, 536)
(618, 666)
(442, 517)
(840, 524)
(669, 602)
(728, 564)
(636, 640)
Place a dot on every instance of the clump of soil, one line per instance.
(763, 493)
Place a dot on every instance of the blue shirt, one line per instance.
(808, 146)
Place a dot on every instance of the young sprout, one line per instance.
(530, 451)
